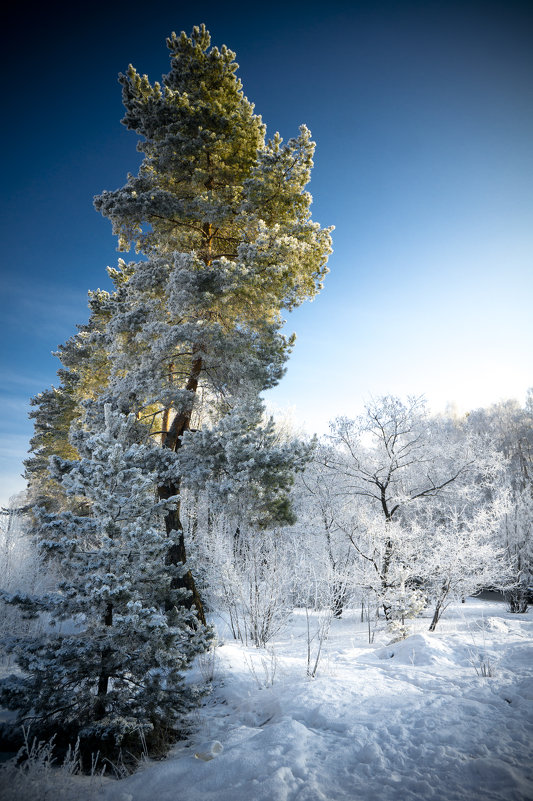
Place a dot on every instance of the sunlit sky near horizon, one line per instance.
(423, 117)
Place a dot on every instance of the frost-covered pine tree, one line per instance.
(186, 343)
(192, 333)
(111, 667)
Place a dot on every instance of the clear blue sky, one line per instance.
(423, 115)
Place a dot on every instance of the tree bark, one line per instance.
(339, 594)
(171, 438)
(436, 616)
(103, 678)
(384, 576)
(177, 553)
(387, 556)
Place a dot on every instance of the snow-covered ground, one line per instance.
(413, 720)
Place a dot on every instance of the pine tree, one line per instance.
(115, 673)
(186, 342)
(193, 332)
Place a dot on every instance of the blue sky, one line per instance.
(423, 117)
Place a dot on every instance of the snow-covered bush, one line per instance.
(510, 429)
(517, 528)
(464, 556)
(37, 773)
(250, 582)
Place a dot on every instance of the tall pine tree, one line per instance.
(224, 222)
(192, 333)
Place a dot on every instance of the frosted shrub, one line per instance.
(517, 530)
(263, 667)
(251, 583)
(36, 774)
(404, 603)
(465, 557)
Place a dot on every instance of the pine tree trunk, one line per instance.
(103, 678)
(176, 553)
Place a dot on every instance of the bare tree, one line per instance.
(388, 462)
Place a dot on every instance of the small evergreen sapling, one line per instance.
(113, 670)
